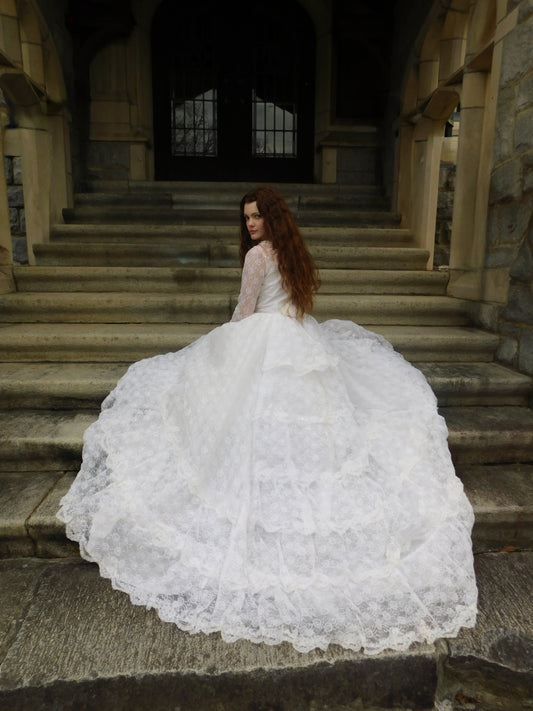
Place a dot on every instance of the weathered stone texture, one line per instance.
(509, 241)
(522, 269)
(8, 168)
(525, 11)
(487, 316)
(492, 663)
(17, 217)
(94, 650)
(506, 182)
(504, 129)
(508, 329)
(525, 93)
(15, 196)
(443, 227)
(14, 222)
(508, 223)
(20, 249)
(508, 352)
(357, 166)
(520, 304)
(17, 170)
(523, 136)
(517, 57)
(499, 257)
(527, 171)
(525, 358)
(109, 160)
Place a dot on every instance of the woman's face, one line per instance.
(254, 221)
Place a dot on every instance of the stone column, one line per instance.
(36, 155)
(61, 191)
(427, 150)
(428, 137)
(402, 189)
(471, 192)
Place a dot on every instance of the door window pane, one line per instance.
(273, 129)
(194, 125)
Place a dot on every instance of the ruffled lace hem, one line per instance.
(279, 481)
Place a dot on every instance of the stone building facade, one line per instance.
(381, 80)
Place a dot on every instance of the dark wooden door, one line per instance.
(233, 91)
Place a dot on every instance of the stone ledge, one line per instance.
(492, 665)
(52, 440)
(501, 496)
(69, 640)
(82, 644)
(490, 435)
(73, 386)
(28, 505)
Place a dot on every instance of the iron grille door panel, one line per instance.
(233, 91)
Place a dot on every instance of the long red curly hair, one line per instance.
(296, 265)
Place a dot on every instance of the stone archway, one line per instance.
(233, 91)
(453, 64)
(121, 101)
(37, 132)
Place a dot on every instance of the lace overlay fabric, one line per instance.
(261, 288)
(279, 480)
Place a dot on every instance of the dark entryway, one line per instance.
(233, 90)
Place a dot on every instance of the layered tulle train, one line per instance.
(279, 481)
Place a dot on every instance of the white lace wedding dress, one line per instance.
(279, 480)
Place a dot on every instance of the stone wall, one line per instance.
(15, 199)
(443, 227)
(509, 246)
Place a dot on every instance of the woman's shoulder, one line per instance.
(260, 253)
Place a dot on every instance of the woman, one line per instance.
(279, 479)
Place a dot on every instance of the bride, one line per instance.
(279, 479)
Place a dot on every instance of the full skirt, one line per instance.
(279, 480)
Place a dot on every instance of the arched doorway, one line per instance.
(233, 90)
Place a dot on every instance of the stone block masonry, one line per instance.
(443, 228)
(509, 246)
(17, 217)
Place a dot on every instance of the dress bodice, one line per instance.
(272, 296)
(262, 289)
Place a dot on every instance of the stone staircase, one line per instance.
(146, 268)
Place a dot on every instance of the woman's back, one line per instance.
(272, 297)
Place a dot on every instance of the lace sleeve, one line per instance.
(253, 273)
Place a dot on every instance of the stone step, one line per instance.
(56, 386)
(97, 652)
(214, 192)
(501, 495)
(188, 235)
(34, 441)
(52, 440)
(502, 498)
(129, 342)
(216, 280)
(218, 253)
(485, 384)
(209, 215)
(490, 434)
(113, 307)
(84, 385)
(210, 196)
(94, 651)
(489, 668)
